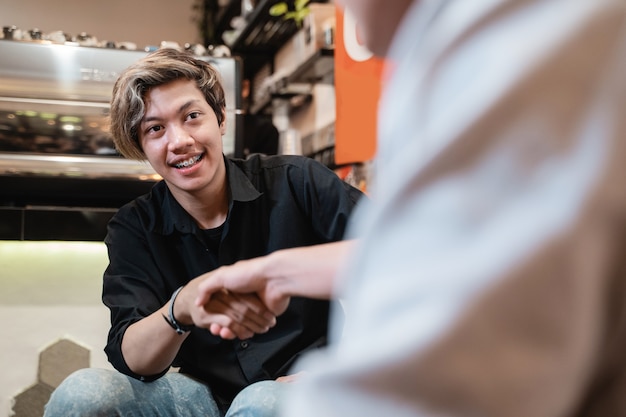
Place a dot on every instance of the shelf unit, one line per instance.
(261, 37)
(319, 68)
(257, 44)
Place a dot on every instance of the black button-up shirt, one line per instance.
(155, 246)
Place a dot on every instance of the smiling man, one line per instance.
(208, 211)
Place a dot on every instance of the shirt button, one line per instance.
(244, 345)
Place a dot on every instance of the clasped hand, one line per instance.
(245, 298)
(236, 301)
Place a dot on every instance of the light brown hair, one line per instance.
(158, 68)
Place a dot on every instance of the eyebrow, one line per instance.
(181, 109)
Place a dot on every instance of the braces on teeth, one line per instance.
(188, 162)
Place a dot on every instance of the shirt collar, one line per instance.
(176, 218)
(241, 188)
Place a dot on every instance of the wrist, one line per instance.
(172, 319)
(276, 272)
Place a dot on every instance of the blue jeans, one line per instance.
(103, 392)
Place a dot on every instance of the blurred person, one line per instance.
(208, 211)
(489, 275)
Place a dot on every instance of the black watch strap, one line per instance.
(171, 320)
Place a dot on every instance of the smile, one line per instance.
(189, 162)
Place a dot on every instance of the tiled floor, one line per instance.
(56, 362)
(49, 291)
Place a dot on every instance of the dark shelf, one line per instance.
(225, 15)
(263, 35)
(295, 100)
(319, 68)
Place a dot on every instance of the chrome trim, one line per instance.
(53, 102)
(76, 167)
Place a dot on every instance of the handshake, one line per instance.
(244, 299)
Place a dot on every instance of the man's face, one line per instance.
(377, 21)
(181, 137)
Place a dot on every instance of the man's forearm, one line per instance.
(307, 271)
(150, 345)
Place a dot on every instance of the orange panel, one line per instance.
(357, 91)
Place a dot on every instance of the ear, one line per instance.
(223, 124)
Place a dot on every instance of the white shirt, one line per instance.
(481, 284)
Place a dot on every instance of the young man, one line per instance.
(489, 277)
(208, 211)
